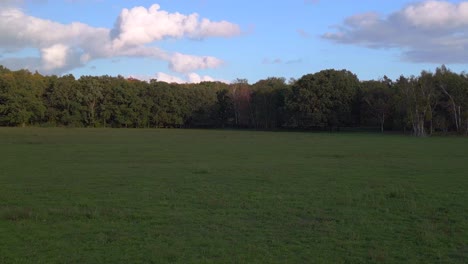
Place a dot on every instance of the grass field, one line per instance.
(208, 196)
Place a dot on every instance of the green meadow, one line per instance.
(223, 196)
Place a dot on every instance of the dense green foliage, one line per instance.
(329, 99)
(208, 196)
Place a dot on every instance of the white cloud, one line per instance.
(195, 78)
(19, 30)
(139, 25)
(208, 28)
(187, 78)
(67, 46)
(427, 31)
(163, 77)
(85, 58)
(439, 14)
(58, 46)
(55, 57)
(186, 63)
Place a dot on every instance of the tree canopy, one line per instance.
(327, 100)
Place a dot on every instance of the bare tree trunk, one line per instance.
(416, 122)
(466, 126)
(466, 131)
(431, 127)
(422, 131)
(454, 107)
(455, 112)
(382, 120)
(459, 118)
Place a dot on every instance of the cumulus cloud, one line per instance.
(55, 57)
(164, 77)
(68, 46)
(60, 45)
(139, 25)
(15, 2)
(187, 78)
(439, 14)
(185, 63)
(195, 78)
(428, 31)
(20, 31)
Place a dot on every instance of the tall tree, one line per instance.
(378, 100)
(268, 100)
(62, 101)
(224, 112)
(20, 98)
(417, 97)
(455, 90)
(429, 94)
(202, 101)
(241, 94)
(90, 93)
(170, 106)
(323, 99)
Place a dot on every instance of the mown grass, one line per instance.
(207, 196)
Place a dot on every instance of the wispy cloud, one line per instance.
(272, 61)
(294, 61)
(269, 61)
(303, 33)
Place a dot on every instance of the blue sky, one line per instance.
(229, 39)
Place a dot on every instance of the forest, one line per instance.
(329, 100)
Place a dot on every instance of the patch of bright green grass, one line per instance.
(207, 196)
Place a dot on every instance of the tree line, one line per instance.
(327, 100)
